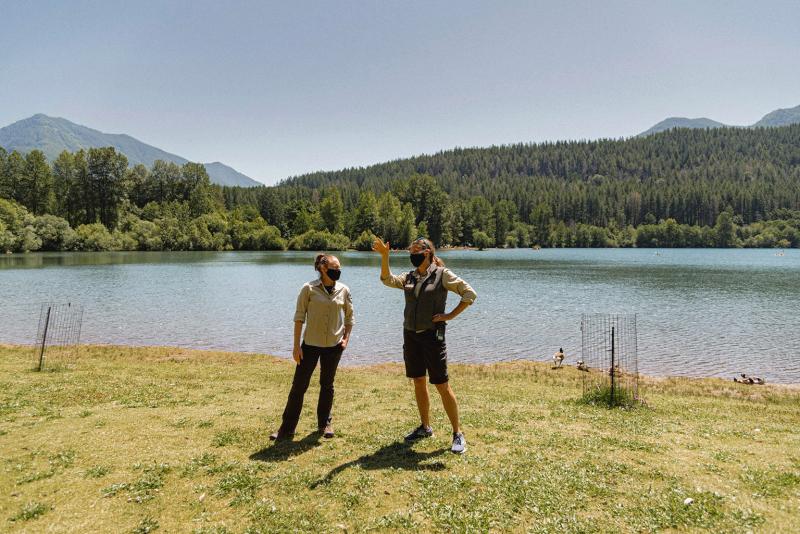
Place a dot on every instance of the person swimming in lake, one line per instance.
(325, 307)
(424, 320)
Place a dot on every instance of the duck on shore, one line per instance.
(558, 357)
(582, 366)
(750, 380)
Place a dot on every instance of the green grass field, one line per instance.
(170, 440)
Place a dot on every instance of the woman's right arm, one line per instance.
(297, 350)
(299, 318)
(387, 277)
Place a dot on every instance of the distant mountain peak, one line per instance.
(53, 135)
(682, 122)
(779, 117)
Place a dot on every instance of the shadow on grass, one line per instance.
(285, 449)
(398, 455)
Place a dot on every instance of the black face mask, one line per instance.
(417, 259)
(334, 274)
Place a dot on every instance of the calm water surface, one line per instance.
(700, 312)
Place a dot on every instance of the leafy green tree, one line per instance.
(319, 240)
(54, 232)
(429, 202)
(164, 182)
(541, 218)
(454, 223)
(11, 176)
(390, 216)
(197, 189)
(365, 215)
(331, 211)
(521, 234)
(93, 237)
(145, 234)
(210, 232)
(19, 234)
(481, 218)
(136, 184)
(364, 241)
(422, 230)
(482, 239)
(68, 187)
(725, 230)
(7, 239)
(106, 173)
(5, 188)
(272, 209)
(36, 183)
(504, 214)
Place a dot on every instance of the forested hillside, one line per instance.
(53, 135)
(722, 187)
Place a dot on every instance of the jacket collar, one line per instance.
(431, 269)
(318, 283)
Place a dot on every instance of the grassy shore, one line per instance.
(171, 440)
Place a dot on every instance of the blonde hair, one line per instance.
(428, 244)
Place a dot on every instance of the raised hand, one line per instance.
(379, 246)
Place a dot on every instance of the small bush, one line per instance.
(319, 240)
(98, 471)
(93, 237)
(145, 526)
(54, 232)
(482, 240)
(364, 241)
(601, 396)
(32, 510)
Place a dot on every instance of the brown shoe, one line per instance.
(327, 432)
(280, 435)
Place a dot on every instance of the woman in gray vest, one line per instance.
(424, 320)
(326, 308)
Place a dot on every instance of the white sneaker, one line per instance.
(459, 443)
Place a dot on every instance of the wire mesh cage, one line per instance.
(609, 357)
(58, 335)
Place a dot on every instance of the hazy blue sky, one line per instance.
(276, 89)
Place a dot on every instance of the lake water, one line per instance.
(700, 312)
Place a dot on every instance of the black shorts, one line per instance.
(424, 353)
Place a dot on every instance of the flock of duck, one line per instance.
(558, 359)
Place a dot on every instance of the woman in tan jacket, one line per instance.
(325, 307)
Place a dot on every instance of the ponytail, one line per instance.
(321, 259)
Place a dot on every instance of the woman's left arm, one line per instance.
(349, 319)
(457, 285)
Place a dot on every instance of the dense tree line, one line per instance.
(682, 188)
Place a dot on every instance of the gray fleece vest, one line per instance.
(419, 311)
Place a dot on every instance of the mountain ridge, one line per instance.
(52, 135)
(778, 117)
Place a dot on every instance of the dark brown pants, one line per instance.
(328, 358)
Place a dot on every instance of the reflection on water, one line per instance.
(701, 312)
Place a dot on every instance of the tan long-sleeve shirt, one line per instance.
(450, 281)
(324, 314)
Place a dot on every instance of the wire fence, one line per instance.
(609, 357)
(58, 335)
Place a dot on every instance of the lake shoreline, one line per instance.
(544, 365)
(699, 313)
